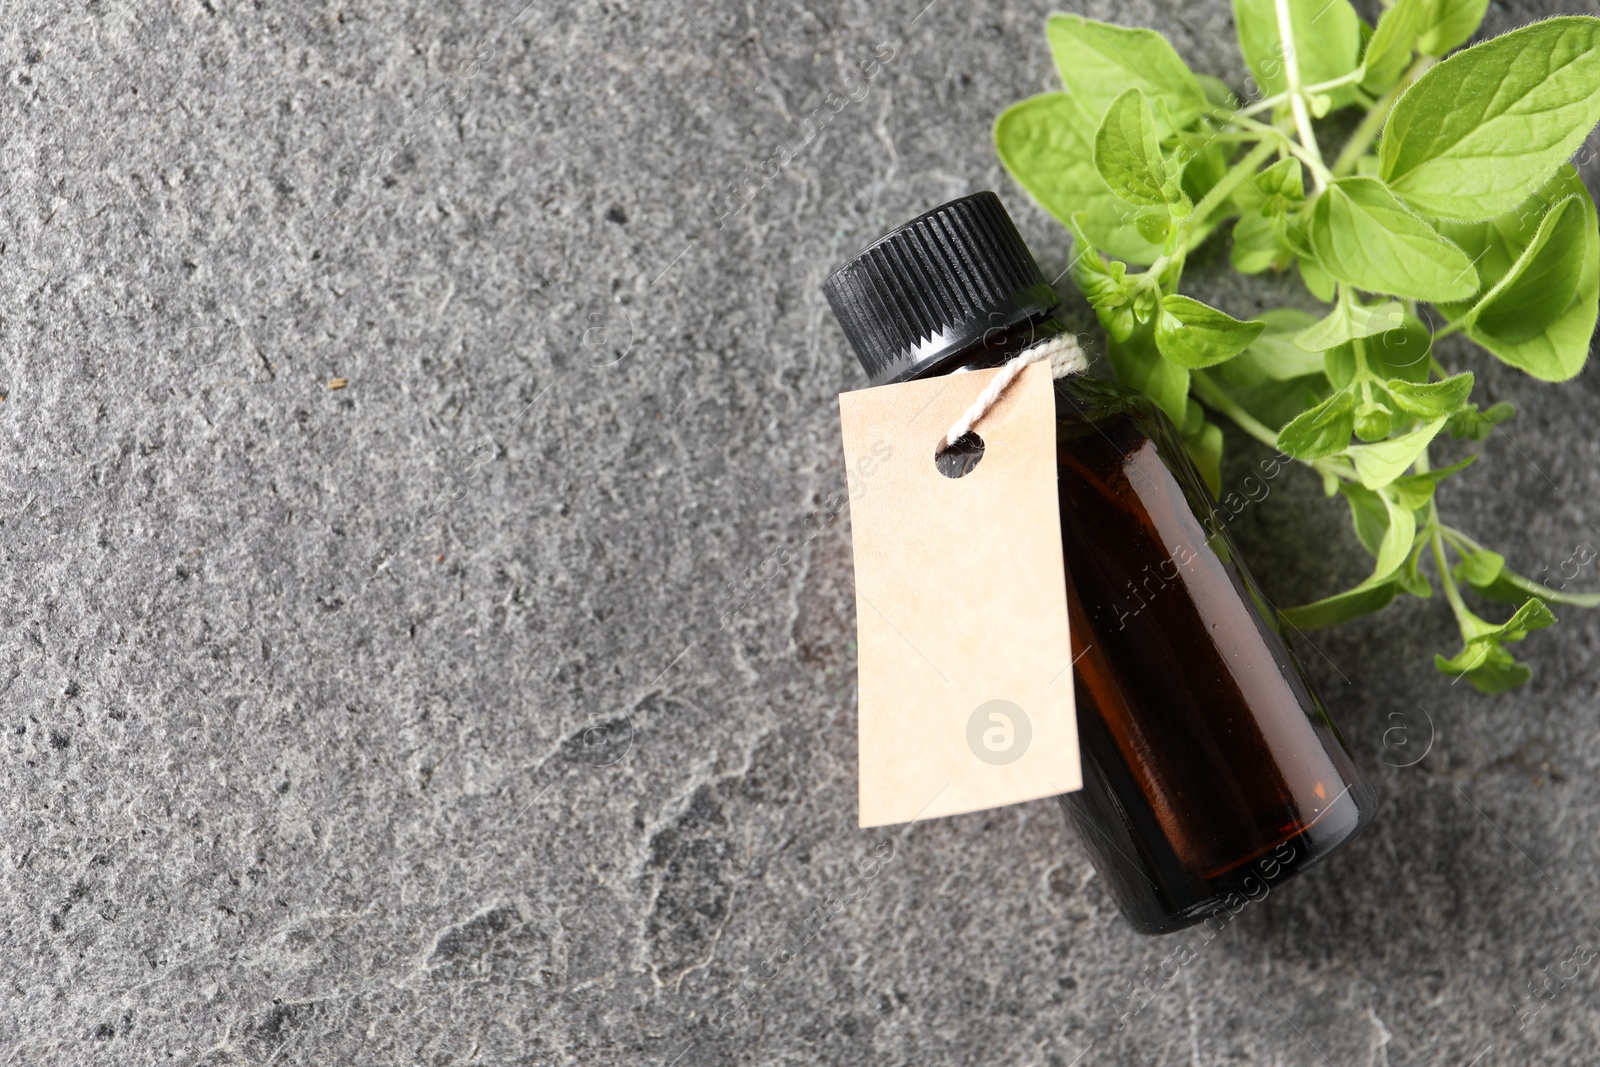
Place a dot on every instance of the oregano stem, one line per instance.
(1446, 579)
(1223, 404)
(1297, 99)
(1313, 163)
(1460, 541)
(1321, 87)
(1466, 545)
(1452, 592)
(1241, 170)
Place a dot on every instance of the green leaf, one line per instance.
(1399, 352)
(1380, 463)
(1470, 658)
(1368, 513)
(1448, 24)
(1483, 129)
(1373, 421)
(1434, 399)
(1342, 607)
(1389, 51)
(1483, 660)
(1206, 162)
(1415, 490)
(1348, 321)
(1194, 335)
(1316, 280)
(1481, 569)
(1410, 577)
(1534, 615)
(1503, 590)
(1282, 187)
(1321, 430)
(1490, 668)
(1274, 353)
(1047, 144)
(1205, 448)
(1146, 303)
(1512, 588)
(1327, 41)
(1246, 199)
(1477, 425)
(1097, 61)
(1274, 379)
(1258, 245)
(1138, 363)
(1397, 538)
(1154, 226)
(1218, 92)
(1365, 237)
(1127, 153)
(1439, 474)
(1503, 244)
(1495, 244)
(1103, 284)
(1541, 316)
(1272, 403)
(1542, 282)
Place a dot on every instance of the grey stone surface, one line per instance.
(498, 707)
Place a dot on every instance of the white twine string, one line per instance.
(1065, 357)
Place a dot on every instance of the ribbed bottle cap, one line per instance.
(935, 286)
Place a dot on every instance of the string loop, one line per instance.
(1062, 351)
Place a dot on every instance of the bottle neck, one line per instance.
(996, 346)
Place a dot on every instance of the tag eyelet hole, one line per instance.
(963, 454)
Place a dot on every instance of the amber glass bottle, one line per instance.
(1211, 771)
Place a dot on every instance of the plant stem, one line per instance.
(1223, 404)
(1265, 105)
(1230, 181)
(1446, 579)
(1213, 395)
(1321, 87)
(1465, 545)
(1372, 125)
(1297, 98)
(1435, 528)
(1459, 540)
(1288, 144)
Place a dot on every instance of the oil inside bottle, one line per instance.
(1210, 767)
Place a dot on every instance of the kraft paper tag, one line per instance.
(963, 657)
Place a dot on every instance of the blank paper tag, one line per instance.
(964, 661)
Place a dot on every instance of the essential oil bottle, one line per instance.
(1211, 771)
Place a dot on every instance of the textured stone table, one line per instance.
(497, 706)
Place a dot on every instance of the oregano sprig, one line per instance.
(1454, 190)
